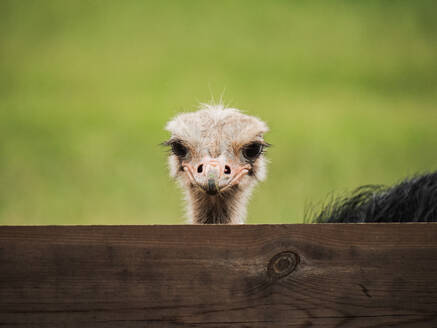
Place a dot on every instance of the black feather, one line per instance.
(412, 200)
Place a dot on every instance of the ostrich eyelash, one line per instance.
(253, 150)
(265, 146)
(177, 147)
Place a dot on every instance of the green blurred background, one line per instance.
(349, 90)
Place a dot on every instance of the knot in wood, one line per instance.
(282, 264)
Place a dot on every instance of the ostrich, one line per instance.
(217, 157)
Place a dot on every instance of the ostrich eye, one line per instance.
(179, 149)
(252, 151)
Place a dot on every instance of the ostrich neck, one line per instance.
(219, 209)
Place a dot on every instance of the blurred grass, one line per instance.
(349, 90)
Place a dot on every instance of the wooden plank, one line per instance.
(343, 275)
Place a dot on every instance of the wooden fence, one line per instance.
(323, 275)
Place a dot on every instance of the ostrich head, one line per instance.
(217, 156)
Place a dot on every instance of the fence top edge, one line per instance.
(214, 225)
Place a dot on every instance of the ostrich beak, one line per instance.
(213, 172)
(215, 175)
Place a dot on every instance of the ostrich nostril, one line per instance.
(227, 169)
(200, 168)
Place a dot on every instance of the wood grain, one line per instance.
(325, 275)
